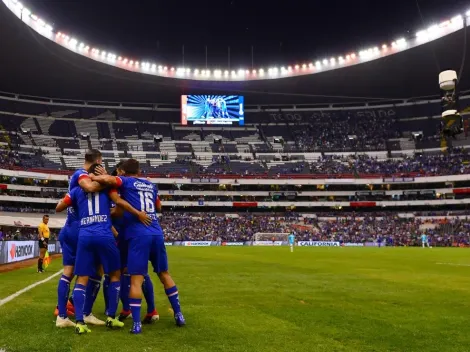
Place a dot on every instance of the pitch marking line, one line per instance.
(453, 264)
(16, 294)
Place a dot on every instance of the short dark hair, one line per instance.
(45, 216)
(118, 166)
(92, 155)
(93, 167)
(130, 167)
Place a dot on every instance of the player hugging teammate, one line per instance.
(140, 235)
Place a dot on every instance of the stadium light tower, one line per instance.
(452, 123)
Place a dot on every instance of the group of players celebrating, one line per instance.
(112, 228)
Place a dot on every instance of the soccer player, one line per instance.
(96, 245)
(424, 240)
(291, 240)
(147, 287)
(145, 243)
(43, 234)
(68, 238)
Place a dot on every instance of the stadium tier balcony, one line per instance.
(187, 134)
(10, 122)
(288, 168)
(183, 147)
(62, 128)
(127, 131)
(149, 131)
(245, 136)
(280, 131)
(247, 168)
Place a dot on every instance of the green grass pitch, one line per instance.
(268, 299)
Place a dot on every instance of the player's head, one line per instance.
(130, 167)
(93, 156)
(92, 168)
(118, 170)
(45, 219)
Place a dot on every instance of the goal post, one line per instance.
(270, 238)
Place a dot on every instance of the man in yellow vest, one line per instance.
(43, 236)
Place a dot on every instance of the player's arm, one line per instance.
(63, 204)
(141, 215)
(115, 233)
(107, 180)
(88, 185)
(158, 204)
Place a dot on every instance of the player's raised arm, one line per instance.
(63, 204)
(141, 215)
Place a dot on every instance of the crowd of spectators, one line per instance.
(453, 162)
(13, 233)
(350, 133)
(384, 229)
(9, 159)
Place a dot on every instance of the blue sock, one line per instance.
(79, 302)
(173, 297)
(63, 291)
(147, 288)
(92, 289)
(113, 298)
(125, 287)
(135, 304)
(105, 292)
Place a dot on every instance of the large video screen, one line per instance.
(212, 110)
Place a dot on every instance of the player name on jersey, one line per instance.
(93, 219)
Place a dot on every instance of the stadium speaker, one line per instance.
(278, 140)
(352, 137)
(448, 80)
(25, 131)
(417, 136)
(452, 122)
(84, 135)
(217, 140)
(157, 138)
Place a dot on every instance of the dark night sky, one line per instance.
(282, 32)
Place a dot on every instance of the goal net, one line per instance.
(269, 238)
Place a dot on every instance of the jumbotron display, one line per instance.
(212, 110)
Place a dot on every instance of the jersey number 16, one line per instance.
(147, 203)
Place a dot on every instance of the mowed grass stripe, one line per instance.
(268, 299)
(13, 281)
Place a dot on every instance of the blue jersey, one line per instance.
(142, 195)
(93, 210)
(118, 224)
(291, 239)
(424, 238)
(72, 216)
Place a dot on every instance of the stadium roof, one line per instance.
(35, 65)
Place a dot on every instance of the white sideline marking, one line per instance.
(16, 294)
(453, 264)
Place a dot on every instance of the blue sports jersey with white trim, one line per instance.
(93, 210)
(72, 216)
(142, 195)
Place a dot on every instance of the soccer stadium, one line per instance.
(317, 205)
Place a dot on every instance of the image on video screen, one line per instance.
(212, 110)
